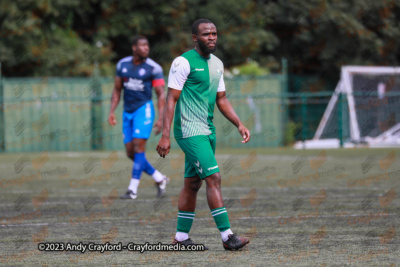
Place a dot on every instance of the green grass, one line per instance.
(259, 206)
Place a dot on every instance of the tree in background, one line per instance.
(318, 36)
(66, 37)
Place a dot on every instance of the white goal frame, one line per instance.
(345, 86)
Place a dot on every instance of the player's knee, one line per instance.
(130, 154)
(214, 180)
(195, 187)
(138, 148)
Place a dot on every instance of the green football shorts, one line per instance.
(199, 155)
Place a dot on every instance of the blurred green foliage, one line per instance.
(65, 37)
(291, 131)
(251, 68)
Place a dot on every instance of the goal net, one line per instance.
(364, 109)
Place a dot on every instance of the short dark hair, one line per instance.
(195, 25)
(137, 38)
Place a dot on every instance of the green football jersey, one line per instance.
(199, 79)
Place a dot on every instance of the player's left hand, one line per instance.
(245, 133)
(111, 119)
(158, 126)
(163, 147)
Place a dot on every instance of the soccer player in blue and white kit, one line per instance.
(137, 75)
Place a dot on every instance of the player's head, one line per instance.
(204, 33)
(140, 47)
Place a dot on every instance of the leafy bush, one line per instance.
(251, 68)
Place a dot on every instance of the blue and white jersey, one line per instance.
(138, 81)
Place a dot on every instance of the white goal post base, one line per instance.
(321, 144)
(389, 138)
(355, 127)
(335, 143)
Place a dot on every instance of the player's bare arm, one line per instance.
(115, 97)
(227, 110)
(164, 144)
(161, 103)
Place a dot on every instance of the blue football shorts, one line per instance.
(139, 123)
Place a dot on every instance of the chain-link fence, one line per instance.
(70, 114)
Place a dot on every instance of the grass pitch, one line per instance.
(303, 208)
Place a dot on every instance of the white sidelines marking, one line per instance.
(200, 219)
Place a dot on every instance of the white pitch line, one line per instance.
(25, 224)
(72, 202)
(200, 219)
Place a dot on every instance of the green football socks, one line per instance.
(185, 221)
(221, 219)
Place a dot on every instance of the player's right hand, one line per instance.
(163, 146)
(111, 119)
(245, 133)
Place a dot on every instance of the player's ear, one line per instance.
(133, 48)
(194, 37)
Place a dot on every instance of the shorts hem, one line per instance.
(136, 138)
(202, 177)
(210, 173)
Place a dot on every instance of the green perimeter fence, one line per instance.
(70, 114)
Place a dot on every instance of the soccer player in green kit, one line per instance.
(195, 85)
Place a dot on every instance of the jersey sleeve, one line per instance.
(221, 85)
(158, 77)
(118, 69)
(180, 70)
